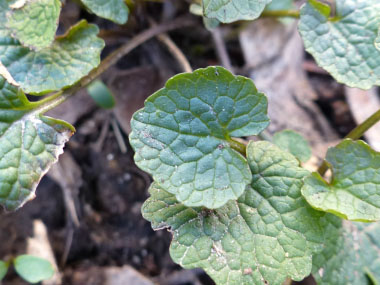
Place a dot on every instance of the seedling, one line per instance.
(31, 268)
(245, 212)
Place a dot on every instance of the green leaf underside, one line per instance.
(181, 136)
(114, 10)
(267, 235)
(29, 144)
(35, 24)
(294, 143)
(352, 251)
(354, 192)
(345, 46)
(3, 269)
(227, 11)
(68, 59)
(33, 269)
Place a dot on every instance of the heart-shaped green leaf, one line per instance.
(29, 144)
(354, 192)
(35, 23)
(68, 59)
(350, 255)
(294, 143)
(344, 45)
(227, 11)
(269, 234)
(114, 10)
(183, 135)
(33, 269)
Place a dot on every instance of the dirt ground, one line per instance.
(93, 219)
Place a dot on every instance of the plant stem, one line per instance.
(266, 136)
(363, 127)
(355, 134)
(136, 41)
(281, 14)
(116, 55)
(173, 49)
(176, 52)
(238, 146)
(323, 168)
(221, 49)
(49, 103)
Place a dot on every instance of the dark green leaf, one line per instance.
(294, 143)
(269, 234)
(344, 45)
(35, 23)
(114, 10)
(182, 136)
(101, 94)
(351, 252)
(29, 144)
(354, 192)
(68, 59)
(227, 11)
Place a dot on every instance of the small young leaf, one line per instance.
(344, 45)
(33, 269)
(227, 11)
(294, 143)
(114, 10)
(68, 59)
(351, 252)
(101, 94)
(354, 192)
(269, 234)
(322, 8)
(196, 9)
(3, 269)
(35, 23)
(29, 144)
(182, 136)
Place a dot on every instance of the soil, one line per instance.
(111, 231)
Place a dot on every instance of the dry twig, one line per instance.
(220, 48)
